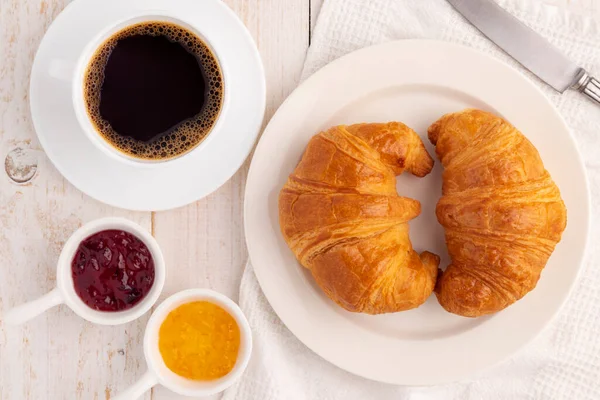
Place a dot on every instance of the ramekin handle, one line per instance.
(135, 391)
(23, 313)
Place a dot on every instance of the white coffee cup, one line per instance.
(75, 73)
(65, 293)
(159, 373)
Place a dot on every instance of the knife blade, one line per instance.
(527, 47)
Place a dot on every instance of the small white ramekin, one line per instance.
(64, 293)
(159, 373)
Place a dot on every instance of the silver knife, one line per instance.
(527, 47)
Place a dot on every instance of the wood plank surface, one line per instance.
(58, 355)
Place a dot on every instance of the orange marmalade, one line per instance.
(199, 341)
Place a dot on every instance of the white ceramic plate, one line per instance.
(177, 182)
(415, 82)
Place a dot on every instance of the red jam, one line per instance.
(112, 270)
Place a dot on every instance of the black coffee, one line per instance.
(153, 90)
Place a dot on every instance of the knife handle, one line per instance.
(588, 85)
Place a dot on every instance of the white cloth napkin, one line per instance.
(564, 362)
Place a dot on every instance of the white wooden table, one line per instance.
(58, 355)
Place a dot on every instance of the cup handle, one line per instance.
(23, 313)
(135, 391)
(62, 70)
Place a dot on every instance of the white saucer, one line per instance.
(177, 182)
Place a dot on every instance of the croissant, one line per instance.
(502, 213)
(340, 214)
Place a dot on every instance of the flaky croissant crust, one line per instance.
(340, 214)
(501, 210)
